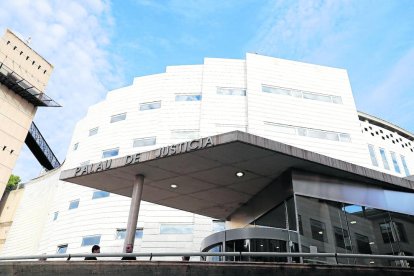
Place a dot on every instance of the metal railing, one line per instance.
(23, 88)
(150, 256)
(42, 152)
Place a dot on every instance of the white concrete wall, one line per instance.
(35, 231)
(293, 111)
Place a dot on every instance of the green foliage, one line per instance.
(14, 180)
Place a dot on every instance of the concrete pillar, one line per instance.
(134, 211)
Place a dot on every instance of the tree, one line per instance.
(14, 180)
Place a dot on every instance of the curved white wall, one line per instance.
(313, 110)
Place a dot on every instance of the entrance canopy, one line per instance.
(200, 176)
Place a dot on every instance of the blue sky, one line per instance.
(98, 45)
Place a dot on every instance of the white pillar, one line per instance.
(134, 210)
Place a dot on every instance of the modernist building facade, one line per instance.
(306, 106)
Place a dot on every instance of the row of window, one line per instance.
(150, 141)
(302, 94)
(390, 231)
(310, 132)
(96, 239)
(121, 233)
(374, 161)
(74, 204)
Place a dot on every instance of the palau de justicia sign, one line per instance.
(136, 158)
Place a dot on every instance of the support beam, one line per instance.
(133, 212)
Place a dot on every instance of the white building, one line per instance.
(304, 105)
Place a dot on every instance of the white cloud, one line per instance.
(73, 36)
(301, 28)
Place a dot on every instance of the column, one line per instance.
(134, 211)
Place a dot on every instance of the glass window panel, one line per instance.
(218, 226)
(176, 229)
(100, 194)
(374, 160)
(318, 230)
(110, 153)
(395, 162)
(91, 240)
(342, 238)
(407, 172)
(384, 159)
(231, 91)
(322, 135)
(149, 106)
(302, 131)
(61, 249)
(337, 99)
(282, 128)
(276, 90)
(144, 142)
(363, 244)
(274, 218)
(345, 137)
(188, 98)
(296, 93)
(121, 233)
(401, 234)
(118, 117)
(93, 131)
(317, 97)
(74, 204)
(386, 233)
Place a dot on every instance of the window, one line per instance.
(176, 229)
(91, 240)
(407, 172)
(374, 160)
(317, 97)
(75, 146)
(302, 94)
(309, 132)
(393, 231)
(74, 204)
(100, 194)
(318, 230)
(362, 243)
(188, 98)
(395, 162)
(121, 233)
(143, 142)
(231, 91)
(110, 153)
(55, 215)
(384, 159)
(342, 238)
(148, 106)
(93, 131)
(118, 117)
(218, 226)
(61, 249)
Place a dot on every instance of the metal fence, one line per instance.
(150, 256)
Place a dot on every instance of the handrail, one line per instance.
(206, 254)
